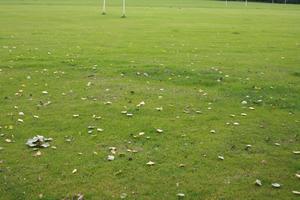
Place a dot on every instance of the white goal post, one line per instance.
(104, 8)
(123, 8)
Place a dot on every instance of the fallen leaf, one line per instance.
(77, 197)
(181, 165)
(248, 146)
(159, 108)
(118, 173)
(38, 153)
(181, 195)
(96, 117)
(8, 140)
(123, 195)
(221, 157)
(142, 103)
(276, 185)
(150, 163)
(244, 102)
(129, 114)
(110, 157)
(108, 103)
(141, 133)
(296, 192)
(39, 141)
(258, 182)
(159, 130)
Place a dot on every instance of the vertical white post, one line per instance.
(104, 8)
(226, 2)
(124, 9)
(246, 2)
(285, 2)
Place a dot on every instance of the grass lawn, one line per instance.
(214, 78)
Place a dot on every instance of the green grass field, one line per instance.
(197, 60)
